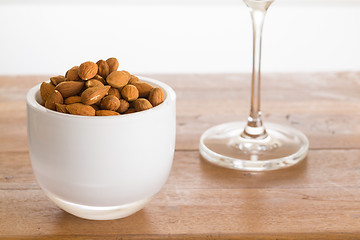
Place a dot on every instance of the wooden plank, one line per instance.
(322, 169)
(326, 131)
(333, 236)
(194, 212)
(317, 198)
(16, 172)
(327, 110)
(330, 131)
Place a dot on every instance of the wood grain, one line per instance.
(316, 199)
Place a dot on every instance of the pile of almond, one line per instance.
(98, 89)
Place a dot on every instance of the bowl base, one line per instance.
(98, 213)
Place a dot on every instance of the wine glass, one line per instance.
(252, 146)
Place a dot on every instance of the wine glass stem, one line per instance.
(255, 128)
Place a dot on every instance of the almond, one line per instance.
(110, 102)
(80, 109)
(45, 90)
(133, 79)
(72, 99)
(106, 113)
(130, 110)
(129, 93)
(142, 104)
(72, 74)
(55, 97)
(70, 88)
(144, 89)
(56, 80)
(126, 73)
(99, 89)
(118, 79)
(88, 70)
(156, 96)
(113, 64)
(124, 106)
(103, 68)
(93, 83)
(61, 108)
(94, 94)
(99, 78)
(115, 92)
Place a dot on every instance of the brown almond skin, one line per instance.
(142, 104)
(110, 102)
(70, 88)
(80, 109)
(94, 94)
(61, 108)
(54, 98)
(118, 79)
(72, 99)
(45, 90)
(133, 79)
(143, 88)
(88, 70)
(130, 93)
(93, 83)
(57, 79)
(115, 92)
(127, 73)
(130, 110)
(72, 74)
(156, 96)
(103, 68)
(99, 78)
(124, 106)
(106, 113)
(113, 64)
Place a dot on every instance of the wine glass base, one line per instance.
(283, 147)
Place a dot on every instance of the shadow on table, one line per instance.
(69, 224)
(230, 177)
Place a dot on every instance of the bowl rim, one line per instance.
(170, 96)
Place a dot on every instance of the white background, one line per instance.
(174, 36)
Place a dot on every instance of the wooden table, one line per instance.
(316, 199)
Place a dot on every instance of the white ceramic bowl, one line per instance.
(104, 167)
